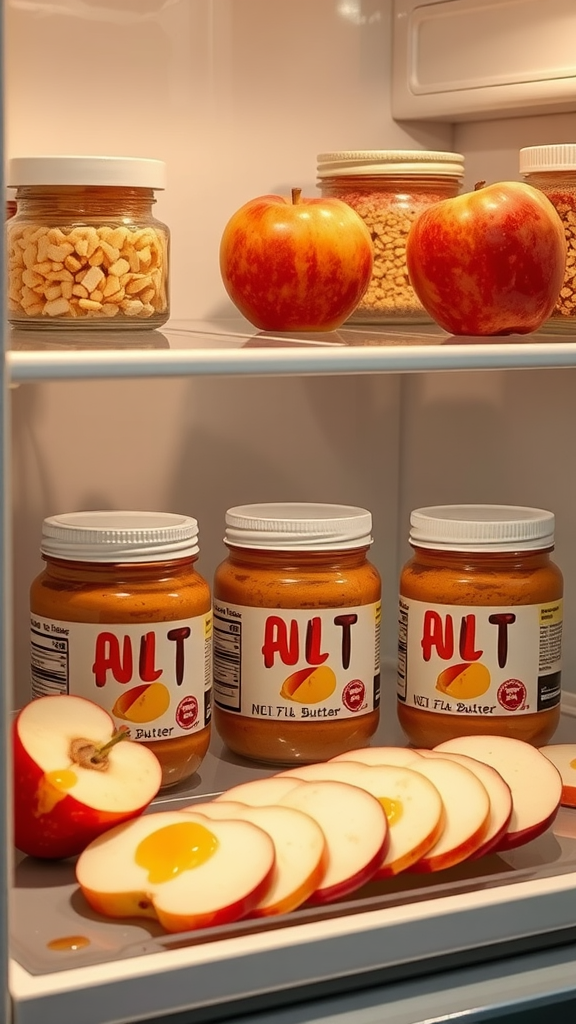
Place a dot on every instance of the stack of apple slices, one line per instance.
(317, 833)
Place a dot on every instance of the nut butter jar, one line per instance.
(84, 249)
(480, 625)
(389, 188)
(121, 616)
(296, 632)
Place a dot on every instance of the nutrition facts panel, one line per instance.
(227, 664)
(48, 664)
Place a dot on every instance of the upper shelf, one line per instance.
(230, 347)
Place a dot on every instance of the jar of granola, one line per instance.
(552, 169)
(389, 189)
(84, 249)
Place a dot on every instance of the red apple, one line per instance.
(179, 867)
(296, 264)
(490, 261)
(72, 779)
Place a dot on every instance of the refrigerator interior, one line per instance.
(238, 97)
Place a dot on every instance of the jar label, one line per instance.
(493, 661)
(297, 664)
(154, 678)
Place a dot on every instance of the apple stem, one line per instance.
(296, 193)
(479, 185)
(88, 755)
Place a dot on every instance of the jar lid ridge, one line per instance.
(119, 536)
(121, 171)
(409, 162)
(298, 526)
(557, 157)
(482, 528)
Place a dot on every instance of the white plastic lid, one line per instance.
(119, 536)
(561, 157)
(128, 171)
(482, 528)
(390, 161)
(298, 526)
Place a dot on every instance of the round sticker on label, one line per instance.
(353, 695)
(511, 694)
(187, 712)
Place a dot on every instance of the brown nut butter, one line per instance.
(480, 625)
(121, 616)
(296, 633)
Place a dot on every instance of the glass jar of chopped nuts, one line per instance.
(552, 169)
(389, 189)
(84, 249)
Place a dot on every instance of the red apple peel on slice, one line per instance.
(563, 757)
(73, 780)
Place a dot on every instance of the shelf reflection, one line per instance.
(29, 339)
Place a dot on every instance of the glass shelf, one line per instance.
(232, 346)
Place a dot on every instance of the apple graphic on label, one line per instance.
(181, 868)
(73, 779)
(534, 782)
(299, 845)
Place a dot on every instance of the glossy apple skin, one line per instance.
(67, 828)
(488, 262)
(296, 266)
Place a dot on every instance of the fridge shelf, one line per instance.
(407, 923)
(232, 346)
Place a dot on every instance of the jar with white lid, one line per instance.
(480, 625)
(84, 249)
(120, 616)
(552, 169)
(296, 632)
(389, 188)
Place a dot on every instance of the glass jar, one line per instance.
(84, 249)
(480, 625)
(389, 189)
(11, 206)
(296, 632)
(552, 169)
(120, 616)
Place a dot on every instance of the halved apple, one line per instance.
(299, 844)
(412, 804)
(179, 867)
(72, 779)
(535, 783)
(399, 756)
(563, 757)
(467, 810)
(356, 832)
(498, 793)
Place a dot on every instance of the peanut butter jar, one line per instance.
(297, 609)
(120, 616)
(480, 625)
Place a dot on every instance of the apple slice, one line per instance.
(356, 832)
(260, 792)
(412, 804)
(498, 793)
(72, 779)
(299, 844)
(399, 756)
(467, 810)
(183, 868)
(563, 757)
(535, 784)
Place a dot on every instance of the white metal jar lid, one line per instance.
(119, 536)
(560, 157)
(298, 526)
(482, 528)
(126, 171)
(390, 161)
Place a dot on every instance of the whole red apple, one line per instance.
(490, 261)
(296, 264)
(73, 780)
